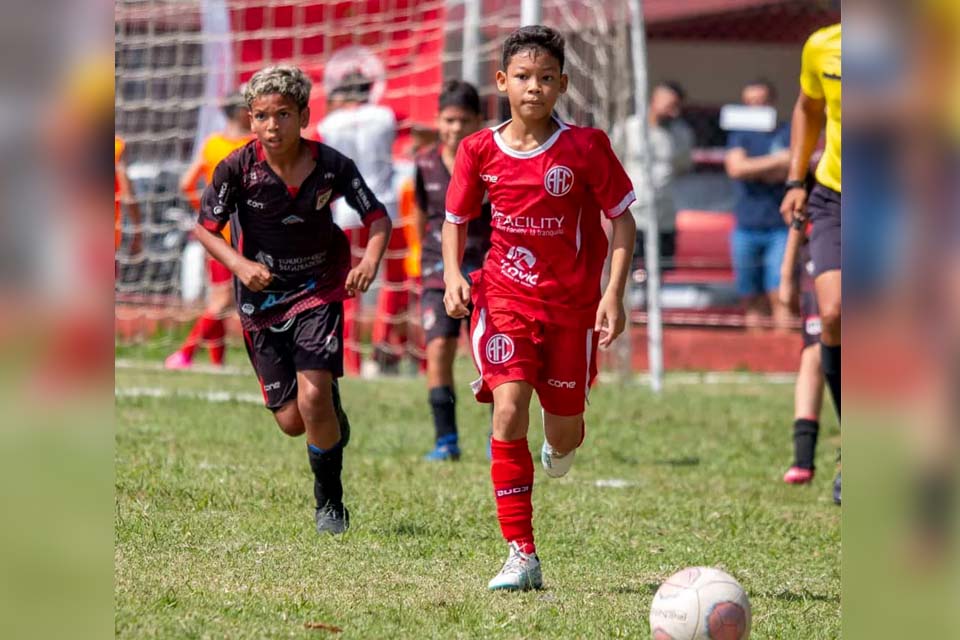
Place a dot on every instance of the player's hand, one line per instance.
(787, 293)
(456, 297)
(611, 319)
(794, 204)
(253, 275)
(361, 277)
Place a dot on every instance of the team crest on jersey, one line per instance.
(323, 198)
(499, 348)
(558, 181)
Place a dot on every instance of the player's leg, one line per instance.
(808, 398)
(569, 368)
(824, 210)
(209, 327)
(318, 356)
(442, 333)
(511, 469)
(828, 298)
(443, 400)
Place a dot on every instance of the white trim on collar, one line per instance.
(523, 155)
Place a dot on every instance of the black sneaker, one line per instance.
(836, 489)
(332, 518)
(341, 416)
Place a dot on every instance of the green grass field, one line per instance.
(215, 535)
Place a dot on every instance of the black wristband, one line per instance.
(795, 184)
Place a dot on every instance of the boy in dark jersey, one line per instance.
(539, 313)
(459, 117)
(291, 267)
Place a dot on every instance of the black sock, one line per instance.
(805, 442)
(443, 403)
(326, 465)
(830, 364)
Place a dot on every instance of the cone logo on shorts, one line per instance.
(499, 349)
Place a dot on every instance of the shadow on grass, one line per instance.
(802, 596)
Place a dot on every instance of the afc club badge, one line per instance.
(558, 181)
(499, 349)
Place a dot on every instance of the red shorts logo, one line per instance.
(499, 349)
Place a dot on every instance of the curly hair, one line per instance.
(287, 80)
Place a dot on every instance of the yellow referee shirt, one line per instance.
(820, 79)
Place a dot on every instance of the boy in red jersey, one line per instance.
(538, 310)
(291, 267)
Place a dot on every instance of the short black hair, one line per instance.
(233, 103)
(354, 87)
(674, 86)
(457, 93)
(533, 37)
(765, 83)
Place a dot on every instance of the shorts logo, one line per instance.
(292, 219)
(429, 319)
(812, 325)
(273, 386)
(558, 181)
(500, 493)
(499, 349)
(248, 308)
(254, 204)
(332, 344)
(562, 384)
(356, 183)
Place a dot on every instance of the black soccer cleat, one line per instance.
(332, 518)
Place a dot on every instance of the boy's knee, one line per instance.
(830, 318)
(508, 423)
(315, 402)
(289, 419)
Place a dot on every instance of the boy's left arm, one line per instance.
(611, 317)
(613, 190)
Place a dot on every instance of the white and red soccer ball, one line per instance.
(700, 603)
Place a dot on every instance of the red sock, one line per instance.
(512, 474)
(196, 333)
(213, 333)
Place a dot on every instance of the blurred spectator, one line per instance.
(671, 145)
(365, 132)
(757, 162)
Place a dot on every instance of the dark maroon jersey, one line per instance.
(293, 235)
(432, 181)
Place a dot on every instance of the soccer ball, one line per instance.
(700, 603)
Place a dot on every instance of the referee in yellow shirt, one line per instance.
(818, 107)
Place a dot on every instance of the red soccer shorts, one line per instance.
(559, 362)
(219, 274)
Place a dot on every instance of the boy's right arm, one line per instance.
(456, 297)
(218, 202)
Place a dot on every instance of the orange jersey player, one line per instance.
(209, 328)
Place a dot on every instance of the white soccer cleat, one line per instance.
(555, 464)
(521, 572)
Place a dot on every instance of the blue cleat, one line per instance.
(446, 448)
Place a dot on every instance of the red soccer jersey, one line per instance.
(547, 246)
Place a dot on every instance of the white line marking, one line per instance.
(207, 396)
